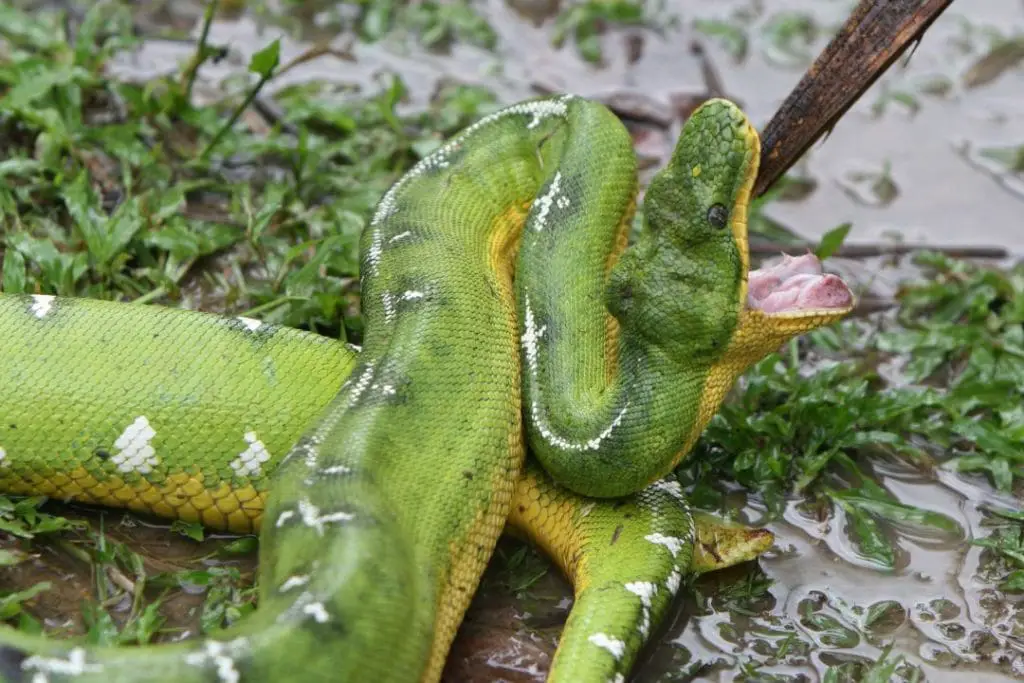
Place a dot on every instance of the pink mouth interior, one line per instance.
(796, 285)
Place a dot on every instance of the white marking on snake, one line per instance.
(336, 469)
(226, 671)
(329, 421)
(384, 389)
(135, 449)
(218, 653)
(41, 304)
(673, 543)
(673, 580)
(361, 384)
(317, 611)
(616, 647)
(530, 338)
(311, 516)
(538, 110)
(645, 590)
(293, 582)
(74, 665)
(251, 324)
(4, 462)
(376, 248)
(311, 454)
(672, 488)
(387, 300)
(388, 205)
(411, 295)
(531, 335)
(400, 236)
(248, 462)
(545, 201)
(284, 517)
(563, 202)
(619, 678)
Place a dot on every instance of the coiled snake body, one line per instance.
(383, 478)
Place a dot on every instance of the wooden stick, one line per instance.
(855, 251)
(873, 37)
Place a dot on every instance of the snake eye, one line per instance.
(718, 216)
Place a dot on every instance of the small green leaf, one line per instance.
(832, 240)
(898, 512)
(1014, 582)
(884, 616)
(19, 168)
(266, 60)
(193, 530)
(732, 38)
(867, 535)
(10, 604)
(239, 546)
(28, 30)
(14, 272)
(9, 558)
(102, 629)
(273, 203)
(144, 627)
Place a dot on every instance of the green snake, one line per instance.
(499, 306)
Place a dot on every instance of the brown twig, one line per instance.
(871, 39)
(317, 51)
(867, 304)
(858, 251)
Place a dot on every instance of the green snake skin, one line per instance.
(626, 558)
(607, 424)
(381, 481)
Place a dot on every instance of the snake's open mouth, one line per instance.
(797, 286)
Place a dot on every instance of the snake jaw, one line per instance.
(782, 302)
(797, 294)
(798, 287)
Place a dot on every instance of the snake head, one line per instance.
(746, 314)
(711, 178)
(699, 200)
(683, 284)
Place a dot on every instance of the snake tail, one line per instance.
(627, 561)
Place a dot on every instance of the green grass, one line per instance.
(585, 21)
(128, 192)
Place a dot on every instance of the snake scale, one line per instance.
(499, 307)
